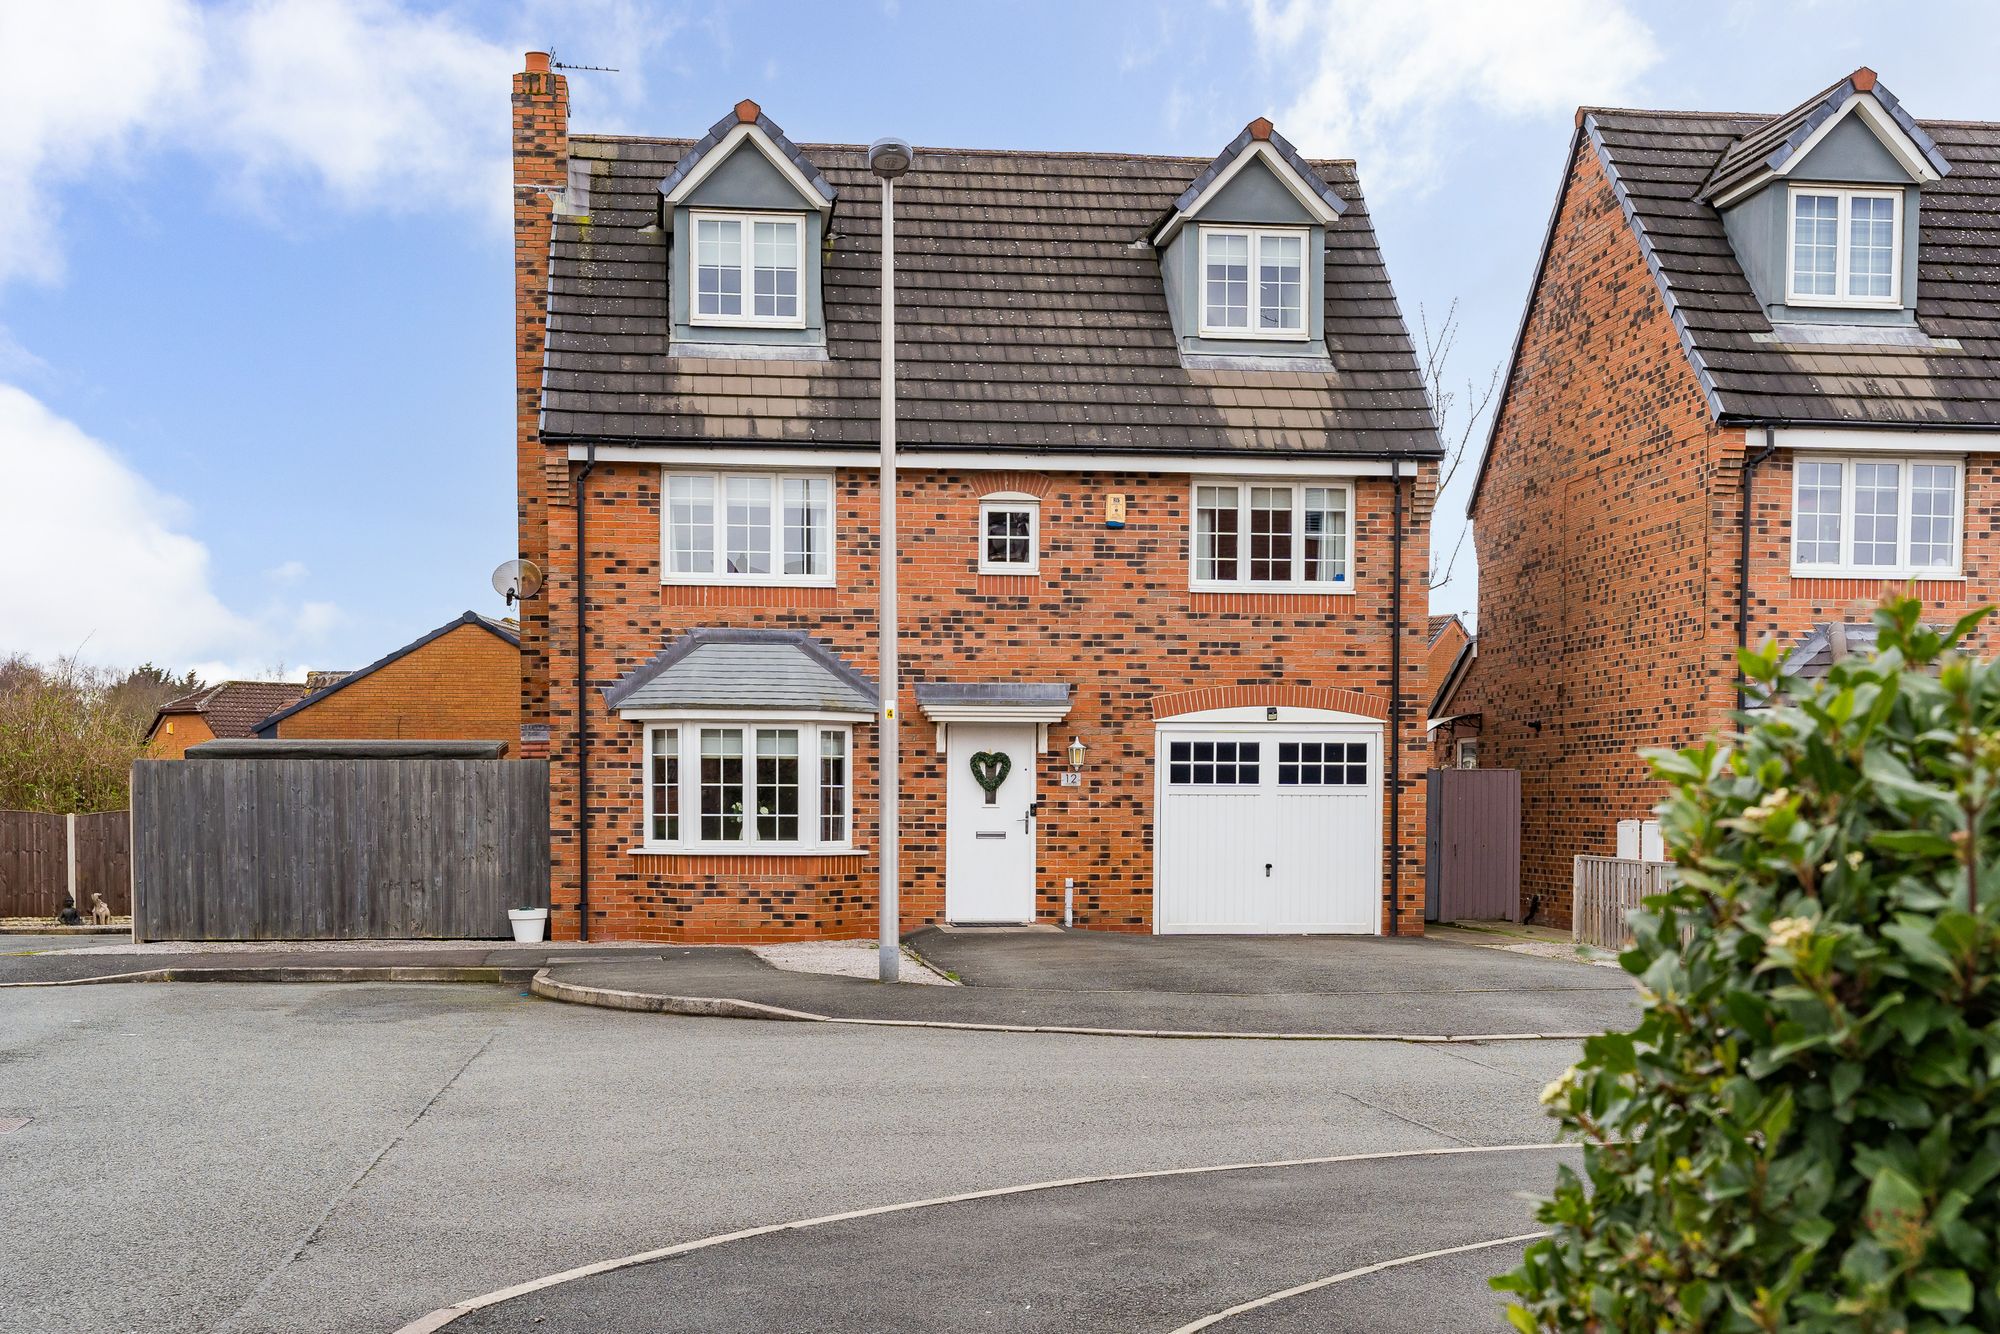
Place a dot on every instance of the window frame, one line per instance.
(810, 788)
(1842, 246)
(747, 266)
(1298, 583)
(718, 550)
(1255, 236)
(1011, 502)
(1845, 567)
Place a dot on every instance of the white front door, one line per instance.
(1268, 828)
(989, 860)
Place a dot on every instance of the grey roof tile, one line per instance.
(756, 670)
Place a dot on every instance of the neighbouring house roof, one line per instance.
(1947, 374)
(233, 708)
(1032, 314)
(1454, 677)
(505, 630)
(321, 680)
(1438, 625)
(760, 670)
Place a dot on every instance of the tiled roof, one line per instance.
(234, 708)
(1772, 144)
(1437, 625)
(1029, 316)
(745, 669)
(1946, 375)
(506, 630)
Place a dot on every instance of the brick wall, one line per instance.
(188, 729)
(465, 685)
(1603, 620)
(1110, 613)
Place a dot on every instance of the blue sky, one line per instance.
(255, 334)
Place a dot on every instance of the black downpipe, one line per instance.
(582, 703)
(1751, 462)
(1396, 697)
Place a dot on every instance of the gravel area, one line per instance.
(845, 958)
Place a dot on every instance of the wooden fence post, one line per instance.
(69, 867)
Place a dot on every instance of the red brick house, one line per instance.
(1756, 387)
(1167, 468)
(229, 711)
(459, 682)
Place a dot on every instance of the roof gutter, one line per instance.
(866, 452)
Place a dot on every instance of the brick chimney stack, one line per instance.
(541, 167)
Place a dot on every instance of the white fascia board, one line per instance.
(995, 713)
(1901, 147)
(761, 141)
(1882, 440)
(748, 717)
(1260, 149)
(913, 460)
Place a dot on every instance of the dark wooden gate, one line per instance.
(1472, 864)
(336, 849)
(37, 859)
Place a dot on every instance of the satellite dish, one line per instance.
(517, 580)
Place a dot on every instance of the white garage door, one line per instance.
(1268, 828)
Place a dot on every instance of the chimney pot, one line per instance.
(538, 62)
(748, 111)
(1863, 80)
(1260, 128)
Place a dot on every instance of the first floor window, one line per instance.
(1846, 246)
(748, 785)
(1875, 516)
(1008, 535)
(747, 527)
(726, 248)
(1272, 536)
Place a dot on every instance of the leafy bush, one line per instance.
(69, 733)
(1803, 1132)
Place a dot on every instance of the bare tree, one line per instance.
(1458, 413)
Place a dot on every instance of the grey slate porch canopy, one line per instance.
(993, 701)
(752, 670)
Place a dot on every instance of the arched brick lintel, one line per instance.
(1284, 696)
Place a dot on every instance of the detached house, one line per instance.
(1167, 468)
(1756, 388)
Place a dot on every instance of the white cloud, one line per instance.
(1384, 80)
(101, 564)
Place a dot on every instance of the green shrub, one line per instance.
(1803, 1132)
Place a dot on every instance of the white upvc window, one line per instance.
(1876, 516)
(739, 527)
(1253, 282)
(1272, 536)
(1010, 534)
(769, 786)
(746, 269)
(1844, 247)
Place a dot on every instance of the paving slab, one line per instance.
(1152, 1253)
(1325, 988)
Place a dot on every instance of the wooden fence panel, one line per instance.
(337, 849)
(104, 861)
(1604, 890)
(34, 875)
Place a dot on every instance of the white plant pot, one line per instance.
(529, 923)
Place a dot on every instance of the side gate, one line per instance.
(1472, 863)
(336, 849)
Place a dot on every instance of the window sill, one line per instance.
(734, 850)
(713, 581)
(1277, 590)
(1009, 571)
(1882, 576)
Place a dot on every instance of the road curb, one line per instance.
(727, 1007)
(445, 1315)
(486, 973)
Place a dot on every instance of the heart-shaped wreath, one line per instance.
(990, 769)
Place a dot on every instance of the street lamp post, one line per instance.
(888, 159)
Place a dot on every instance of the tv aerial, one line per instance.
(517, 580)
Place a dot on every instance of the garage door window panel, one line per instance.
(1214, 763)
(1322, 764)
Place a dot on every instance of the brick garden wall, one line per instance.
(465, 685)
(1110, 613)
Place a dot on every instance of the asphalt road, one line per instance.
(299, 1158)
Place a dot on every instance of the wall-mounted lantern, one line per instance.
(1075, 753)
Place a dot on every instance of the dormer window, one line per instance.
(746, 270)
(1253, 283)
(1846, 247)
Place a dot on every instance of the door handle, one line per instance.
(1267, 870)
(1028, 815)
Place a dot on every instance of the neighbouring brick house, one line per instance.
(460, 682)
(229, 711)
(1800, 309)
(1446, 664)
(1159, 420)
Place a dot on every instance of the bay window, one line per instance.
(1272, 536)
(746, 787)
(1876, 516)
(1845, 247)
(747, 528)
(1252, 283)
(746, 270)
